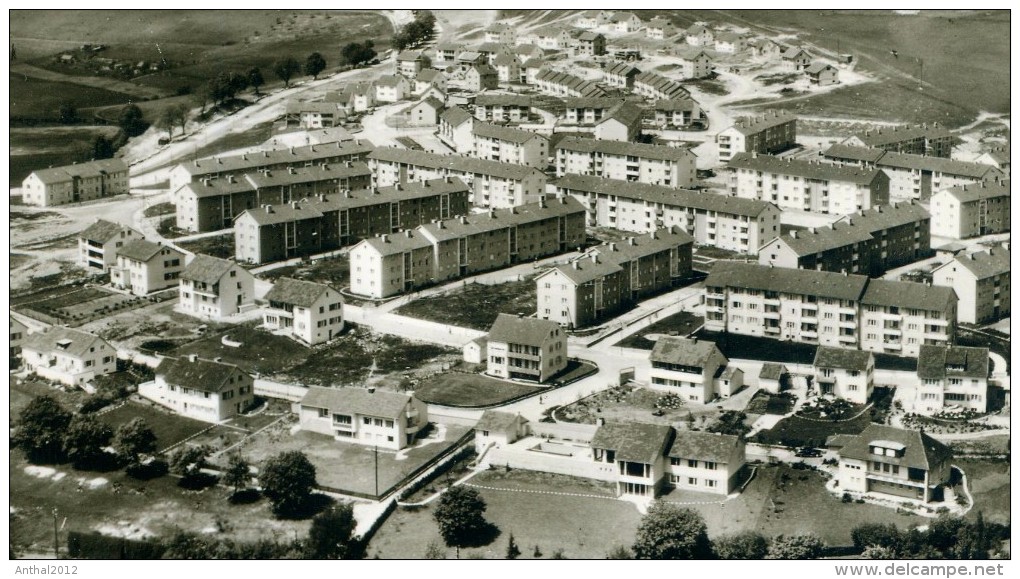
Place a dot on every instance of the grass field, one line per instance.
(221, 246)
(475, 305)
(259, 351)
(679, 324)
(471, 390)
(168, 427)
(332, 271)
(990, 485)
(798, 431)
(38, 99)
(40, 147)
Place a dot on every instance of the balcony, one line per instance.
(772, 330)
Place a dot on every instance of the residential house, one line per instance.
(765, 48)
(480, 77)
(501, 33)
(206, 390)
(456, 129)
(770, 378)
(510, 145)
(796, 59)
(144, 267)
(391, 88)
(98, 244)
(679, 114)
(531, 69)
(526, 52)
(75, 183)
(653, 164)
(311, 312)
(215, 288)
(610, 277)
(508, 68)
(391, 264)
(807, 185)
(411, 62)
(706, 462)
(365, 416)
(567, 85)
(689, 368)
(822, 73)
(952, 377)
(699, 35)
(424, 112)
(982, 283)
(732, 223)
(893, 462)
(932, 140)
(619, 74)
(502, 108)
(522, 348)
(476, 351)
(71, 357)
(770, 133)
(971, 210)
(621, 123)
(471, 58)
(587, 110)
(498, 429)
(446, 52)
(491, 50)
(728, 42)
(591, 19)
(694, 62)
(430, 78)
(844, 373)
(637, 454)
(355, 97)
(659, 29)
(997, 156)
(18, 333)
(314, 115)
(590, 43)
(553, 38)
(898, 317)
(654, 86)
(625, 23)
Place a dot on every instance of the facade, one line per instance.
(933, 141)
(314, 115)
(18, 333)
(424, 112)
(144, 267)
(508, 68)
(869, 242)
(98, 244)
(201, 389)
(678, 114)
(391, 88)
(770, 378)
(796, 59)
(327, 222)
(590, 43)
(68, 356)
(368, 417)
(707, 462)
(982, 283)
(502, 108)
(619, 74)
(311, 312)
(686, 367)
(728, 42)
(522, 348)
(613, 276)
(659, 29)
(410, 63)
(654, 86)
(807, 185)
(694, 63)
(733, 223)
(497, 428)
(652, 164)
(971, 210)
(493, 184)
(456, 129)
(563, 84)
(75, 183)
(355, 97)
(952, 377)
(588, 111)
(828, 309)
(894, 462)
(428, 79)
(822, 74)
(844, 373)
(215, 288)
(699, 35)
(635, 454)
(773, 132)
(480, 77)
(501, 34)
(510, 145)
(621, 123)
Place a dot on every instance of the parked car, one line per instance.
(808, 452)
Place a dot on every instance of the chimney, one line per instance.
(492, 213)
(594, 258)
(244, 156)
(269, 208)
(230, 178)
(447, 178)
(541, 202)
(575, 265)
(219, 161)
(192, 357)
(407, 233)
(265, 154)
(463, 219)
(385, 238)
(218, 359)
(600, 421)
(612, 246)
(793, 234)
(292, 150)
(325, 167)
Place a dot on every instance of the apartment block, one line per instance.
(933, 141)
(732, 223)
(557, 83)
(502, 108)
(144, 267)
(771, 133)
(982, 283)
(971, 210)
(510, 145)
(694, 62)
(214, 288)
(678, 114)
(844, 373)
(899, 317)
(456, 129)
(652, 164)
(98, 244)
(75, 183)
(522, 348)
(952, 377)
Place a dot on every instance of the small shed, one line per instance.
(476, 351)
(770, 378)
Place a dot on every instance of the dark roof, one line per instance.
(582, 271)
(668, 88)
(771, 371)
(408, 55)
(103, 231)
(502, 99)
(676, 105)
(207, 269)
(297, 292)
(454, 162)
(142, 250)
(621, 68)
(455, 116)
(381, 403)
(313, 174)
(640, 246)
(394, 243)
(921, 452)
(898, 134)
(770, 119)
(503, 133)
(842, 358)
(905, 294)
(661, 194)
(936, 164)
(784, 280)
(627, 113)
(938, 362)
(61, 339)
(634, 441)
(854, 228)
(853, 153)
(202, 375)
(817, 67)
(390, 80)
(978, 191)
(984, 264)
(519, 330)
(683, 351)
(496, 421)
(643, 150)
(285, 213)
(591, 102)
(291, 156)
(800, 168)
(505, 59)
(707, 446)
(85, 170)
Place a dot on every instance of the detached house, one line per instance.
(621, 123)
(17, 337)
(510, 145)
(144, 267)
(659, 29)
(952, 377)
(410, 63)
(699, 35)
(822, 74)
(68, 356)
(98, 244)
(480, 77)
(678, 114)
(391, 88)
(730, 42)
(796, 59)
(895, 462)
(636, 453)
(363, 416)
(201, 389)
(508, 67)
(693, 369)
(501, 34)
(526, 348)
(311, 312)
(215, 288)
(694, 62)
(707, 462)
(844, 373)
(590, 43)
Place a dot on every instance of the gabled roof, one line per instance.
(817, 67)
(696, 29)
(488, 99)
(843, 152)
(483, 70)
(357, 401)
(899, 134)
(454, 162)
(882, 217)
(981, 190)
(706, 446)
(795, 52)
(501, 219)
(669, 88)
(659, 22)
(62, 340)
(591, 102)
(921, 451)
(103, 231)
(684, 351)
(390, 80)
(771, 371)
(455, 116)
(634, 441)
(626, 113)
(935, 362)
(636, 247)
(816, 240)
(589, 36)
(621, 68)
(937, 164)
(316, 173)
(142, 250)
(409, 55)
(690, 53)
(201, 375)
(503, 133)
(297, 107)
(428, 74)
(297, 292)
(842, 358)
(582, 271)
(206, 187)
(504, 59)
(397, 243)
(82, 170)
(512, 329)
(670, 105)
(791, 281)
(621, 148)
(291, 156)
(729, 36)
(904, 294)
(984, 264)
(806, 169)
(284, 213)
(207, 269)
(496, 421)
(770, 119)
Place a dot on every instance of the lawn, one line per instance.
(332, 271)
(471, 390)
(34, 99)
(679, 324)
(168, 427)
(989, 482)
(260, 351)
(798, 431)
(23, 391)
(475, 305)
(221, 246)
(754, 348)
(766, 403)
(158, 209)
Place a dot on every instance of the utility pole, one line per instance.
(56, 543)
(375, 452)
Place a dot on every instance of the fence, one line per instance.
(277, 390)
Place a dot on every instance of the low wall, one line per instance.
(563, 431)
(455, 416)
(270, 389)
(537, 461)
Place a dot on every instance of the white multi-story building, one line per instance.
(456, 129)
(653, 164)
(311, 312)
(68, 356)
(692, 369)
(844, 373)
(363, 416)
(971, 210)
(502, 108)
(98, 243)
(205, 390)
(215, 288)
(75, 183)
(526, 348)
(981, 282)
(144, 267)
(898, 317)
(951, 377)
(391, 88)
(889, 461)
(619, 74)
(694, 63)
(707, 462)
(510, 145)
(772, 132)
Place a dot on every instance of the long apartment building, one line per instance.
(557, 83)
(772, 132)
(611, 277)
(971, 210)
(807, 185)
(914, 176)
(500, 107)
(329, 221)
(492, 183)
(981, 281)
(391, 264)
(652, 164)
(276, 159)
(931, 141)
(654, 86)
(211, 204)
(868, 242)
(828, 309)
(75, 183)
(510, 145)
(732, 223)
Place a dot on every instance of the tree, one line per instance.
(237, 474)
(85, 439)
(188, 460)
(512, 551)
(236, 82)
(671, 532)
(434, 551)
(179, 114)
(331, 534)
(134, 439)
(460, 517)
(878, 552)
(287, 479)
(619, 552)
(876, 534)
(314, 65)
(166, 121)
(255, 79)
(285, 69)
(355, 53)
(131, 120)
(730, 422)
(40, 430)
(742, 545)
(67, 112)
(102, 148)
(795, 547)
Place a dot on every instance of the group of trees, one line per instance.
(416, 32)
(947, 537)
(355, 53)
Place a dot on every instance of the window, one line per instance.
(692, 463)
(692, 481)
(323, 412)
(367, 421)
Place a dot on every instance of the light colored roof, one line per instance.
(207, 269)
(921, 451)
(817, 67)
(82, 170)
(843, 152)
(634, 441)
(676, 105)
(142, 250)
(503, 58)
(770, 119)
(791, 281)
(985, 264)
(315, 173)
(582, 271)
(938, 362)
(201, 375)
(668, 88)
(103, 231)
(283, 213)
(937, 164)
(63, 340)
(455, 116)
(683, 351)
(496, 219)
(488, 99)
(454, 162)
(297, 292)
(409, 55)
(503, 133)
(806, 169)
(643, 150)
(496, 421)
(842, 358)
(512, 329)
(771, 371)
(899, 134)
(854, 228)
(627, 113)
(904, 294)
(397, 243)
(728, 36)
(707, 446)
(295, 107)
(390, 80)
(981, 190)
(357, 401)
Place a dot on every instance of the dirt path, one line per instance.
(110, 84)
